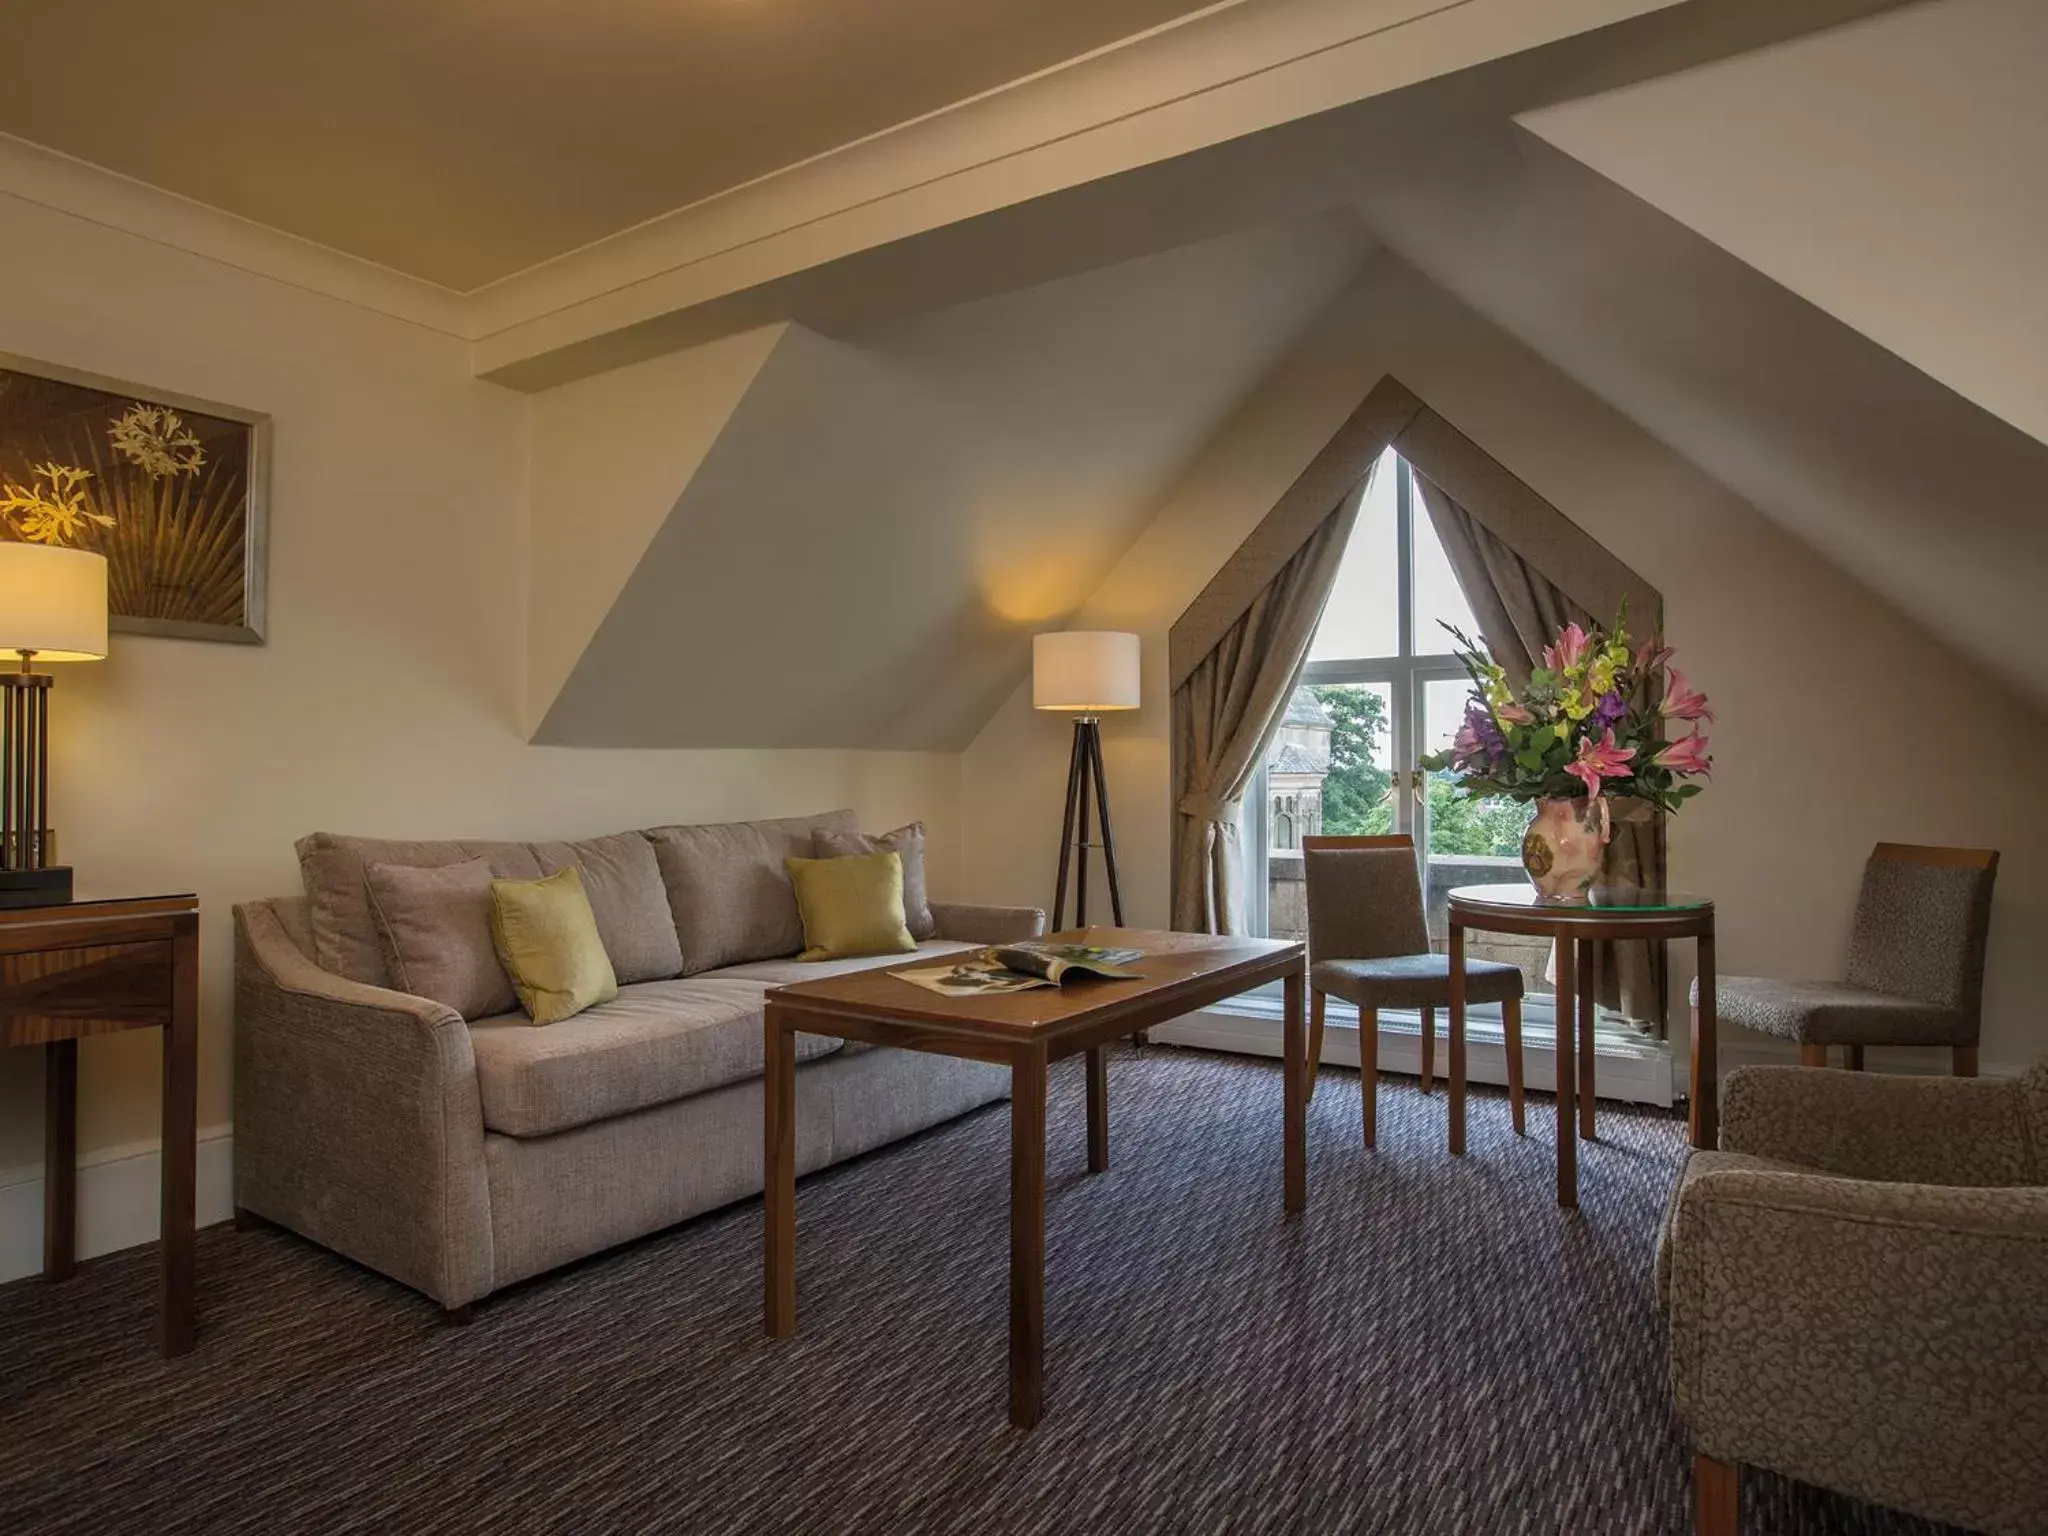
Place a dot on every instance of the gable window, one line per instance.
(1381, 690)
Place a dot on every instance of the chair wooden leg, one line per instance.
(456, 1317)
(1315, 1038)
(1511, 1031)
(1716, 1497)
(1369, 1069)
(1428, 1049)
(1813, 1055)
(1963, 1060)
(1855, 1054)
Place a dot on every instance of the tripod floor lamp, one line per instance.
(53, 607)
(1086, 673)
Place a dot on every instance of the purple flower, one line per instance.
(1609, 710)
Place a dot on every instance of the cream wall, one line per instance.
(1841, 722)
(389, 698)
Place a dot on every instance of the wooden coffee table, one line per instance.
(1027, 1032)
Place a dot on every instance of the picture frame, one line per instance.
(173, 489)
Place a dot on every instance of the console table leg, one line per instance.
(1589, 1012)
(1567, 1072)
(181, 1140)
(1027, 1236)
(1705, 1116)
(60, 1157)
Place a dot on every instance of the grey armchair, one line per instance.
(1857, 1288)
(1368, 943)
(1916, 965)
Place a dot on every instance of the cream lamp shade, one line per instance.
(53, 602)
(1089, 671)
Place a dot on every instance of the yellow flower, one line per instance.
(54, 512)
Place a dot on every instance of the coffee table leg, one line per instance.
(1027, 1235)
(1294, 1091)
(60, 1157)
(181, 1141)
(1589, 1003)
(1098, 1110)
(1567, 1073)
(778, 1116)
(1706, 1120)
(1457, 1012)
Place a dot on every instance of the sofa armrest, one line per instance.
(358, 1121)
(1869, 1125)
(972, 924)
(1879, 1339)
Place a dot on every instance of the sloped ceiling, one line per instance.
(1928, 499)
(1889, 171)
(886, 516)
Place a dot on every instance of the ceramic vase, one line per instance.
(1564, 847)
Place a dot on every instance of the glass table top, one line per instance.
(1604, 900)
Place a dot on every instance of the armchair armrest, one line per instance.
(1880, 1339)
(358, 1121)
(1867, 1125)
(974, 924)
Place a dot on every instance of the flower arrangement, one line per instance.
(1593, 723)
(1595, 719)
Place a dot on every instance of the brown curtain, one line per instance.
(1226, 712)
(1520, 612)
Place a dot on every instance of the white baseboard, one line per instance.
(119, 1200)
(1641, 1075)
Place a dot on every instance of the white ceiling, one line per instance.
(928, 494)
(1894, 172)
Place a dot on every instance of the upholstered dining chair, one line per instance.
(1916, 965)
(1368, 943)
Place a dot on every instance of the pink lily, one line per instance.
(1651, 655)
(1599, 760)
(1687, 755)
(1514, 714)
(1684, 702)
(1571, 648)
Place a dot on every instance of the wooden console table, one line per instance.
(95, 968)
(1609, 913)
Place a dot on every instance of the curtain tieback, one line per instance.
(1208, 808)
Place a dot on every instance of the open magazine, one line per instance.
(1020, 967)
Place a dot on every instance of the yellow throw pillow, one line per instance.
(851, 906)
(546, 938)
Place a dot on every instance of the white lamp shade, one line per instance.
(53, 602)
(1089, 671)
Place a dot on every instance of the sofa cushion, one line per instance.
(784, 972)
(436, 930)
(727, 888)
(344, 933)
(654, 1043)
(907, 842)
(623, 881)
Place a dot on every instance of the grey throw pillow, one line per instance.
(623, 881)
(435, 926)
(907, 843)
(729, 891)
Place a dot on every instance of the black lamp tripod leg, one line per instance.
(1116, 895)
(1059, 901)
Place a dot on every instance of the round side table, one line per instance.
(1611, 913)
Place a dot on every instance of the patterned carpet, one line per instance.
(1435, 1348)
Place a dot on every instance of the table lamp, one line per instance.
(1089, 673)
(53, 607)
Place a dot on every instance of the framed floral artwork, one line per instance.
(170, 489)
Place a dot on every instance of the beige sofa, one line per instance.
(459, 1156)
